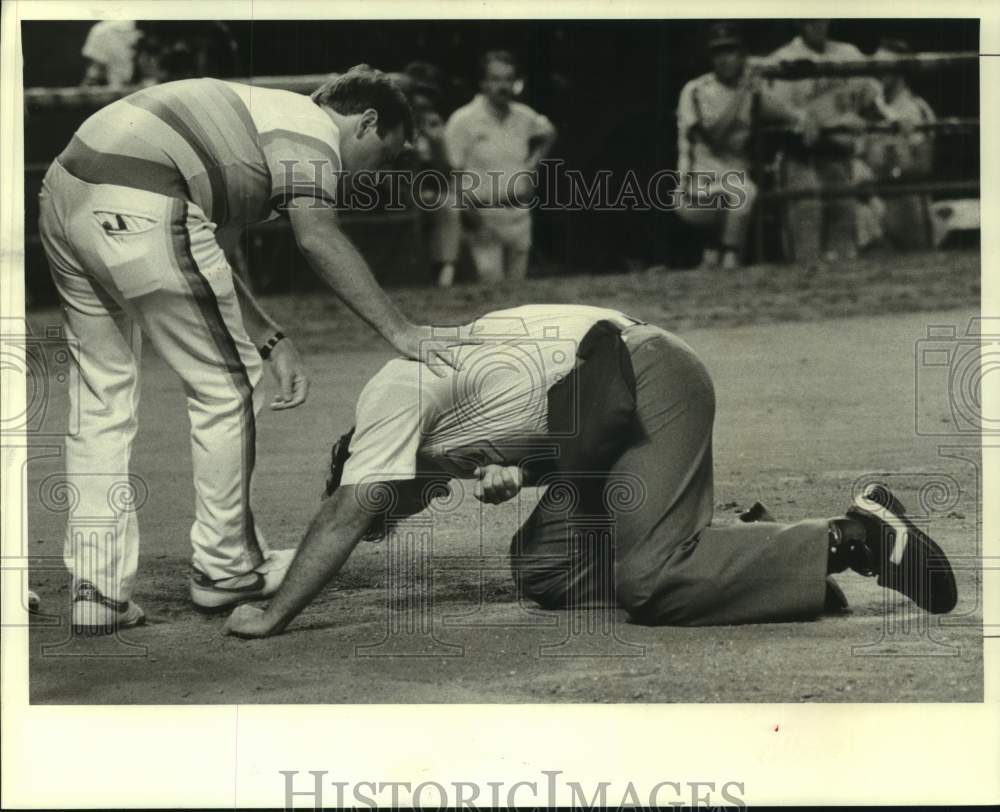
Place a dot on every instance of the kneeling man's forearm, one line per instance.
(332, 535)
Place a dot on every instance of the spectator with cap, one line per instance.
(500, 141)
(906, 155)
(435, 191)
(816, 229)
(714, 121)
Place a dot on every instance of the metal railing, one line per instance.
(871, 67)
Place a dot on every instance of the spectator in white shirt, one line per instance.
(500, 141)
(110, 53)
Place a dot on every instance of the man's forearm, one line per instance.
(342, 267)
(332, 536)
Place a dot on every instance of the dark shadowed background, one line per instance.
(610, 86)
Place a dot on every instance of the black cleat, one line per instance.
(902, 556)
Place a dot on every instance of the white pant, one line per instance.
(726, 227)
(124, 259)
(501, 245)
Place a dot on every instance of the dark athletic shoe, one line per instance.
(903, 557)
(94, 613)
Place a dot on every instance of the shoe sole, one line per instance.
(215, 600)
(221, 608)
(227, 598)
(101, 630)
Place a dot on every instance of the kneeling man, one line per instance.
(614, 418)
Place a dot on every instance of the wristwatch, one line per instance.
(270, 344)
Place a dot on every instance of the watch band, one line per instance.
(270, 344)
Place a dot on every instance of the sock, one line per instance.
(847, 546)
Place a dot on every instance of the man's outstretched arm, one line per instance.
(332, 255)
(332, 535)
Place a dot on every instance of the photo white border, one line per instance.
(229, 756)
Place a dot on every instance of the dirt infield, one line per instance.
(806, 410)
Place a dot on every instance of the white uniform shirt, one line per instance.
(828, 98)
(477, 141)
(409, 420)
(701, 104)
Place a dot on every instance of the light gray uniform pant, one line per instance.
(639, 535)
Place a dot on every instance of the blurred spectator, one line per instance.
(501, 141)
(869, 209)
(422, 83)
(905, 155)
(714, 120)
(109, 51)
(823, 229)
(184, 49)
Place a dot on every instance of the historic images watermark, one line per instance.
(549, 790)
(955, 366)
(951, 365)
(38, 362)
(549, 187)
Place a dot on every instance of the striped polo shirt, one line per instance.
(494, 409)
(237, 151)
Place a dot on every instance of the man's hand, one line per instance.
(906, 127)
(497, 483)
(247, 621)
(286, 364)
(521, 191)
(419, 343)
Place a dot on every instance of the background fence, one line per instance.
(953, 134)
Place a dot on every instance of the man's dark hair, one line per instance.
(338, 457)
(505, 57)
(363, 87)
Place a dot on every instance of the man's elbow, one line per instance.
(310, 244)
(350, 508)
(318, 241)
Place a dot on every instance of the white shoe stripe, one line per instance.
(902, 532)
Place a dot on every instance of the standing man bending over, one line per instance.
(134, 216)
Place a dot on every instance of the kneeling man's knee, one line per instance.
(542, 585)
